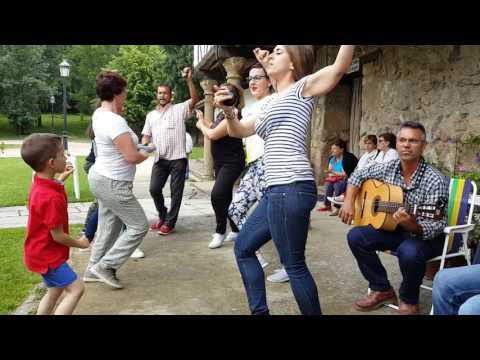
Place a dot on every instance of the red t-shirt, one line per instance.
(47, 207)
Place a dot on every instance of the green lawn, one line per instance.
(17, 180)
(9, 146)
(16, 281)
(197, 153)
(75, 124)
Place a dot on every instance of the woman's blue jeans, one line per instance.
(284, 215)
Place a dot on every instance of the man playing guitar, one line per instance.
(415, 239)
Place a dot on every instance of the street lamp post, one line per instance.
(64, 73)
(52, 102)
(71, 159)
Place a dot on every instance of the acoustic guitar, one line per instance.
(377, 202)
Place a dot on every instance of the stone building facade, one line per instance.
(438, 85)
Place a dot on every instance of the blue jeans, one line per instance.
(92, 225)
(457, 291)
(282, 214)
(412, 254)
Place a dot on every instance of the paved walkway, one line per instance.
(181, 275)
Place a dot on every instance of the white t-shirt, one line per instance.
(368, 159)
(390, 155)
(110, 162)
(254, 145)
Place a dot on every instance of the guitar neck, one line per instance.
(391, 207)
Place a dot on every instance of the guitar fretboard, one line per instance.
(390, 207)
(429, 211)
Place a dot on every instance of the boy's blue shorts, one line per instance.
(60, 277)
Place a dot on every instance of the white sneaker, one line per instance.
(137, 254)
(264, 263)
(279, 277)
(217, 241)
(337, 200)
(232, 236)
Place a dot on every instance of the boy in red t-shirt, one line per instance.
(47, 244)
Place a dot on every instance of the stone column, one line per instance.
(207, 86)
(234, 67)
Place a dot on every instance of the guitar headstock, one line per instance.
(429, 211)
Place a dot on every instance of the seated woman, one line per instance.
(367, 159)
(229, 162)
(387, 143)
(340, 165)
(372, 153)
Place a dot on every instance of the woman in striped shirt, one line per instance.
(284, 212)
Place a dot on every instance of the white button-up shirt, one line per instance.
(167, 130)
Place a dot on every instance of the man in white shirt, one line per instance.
(165, 128)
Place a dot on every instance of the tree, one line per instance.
(87, 61)
(53, 56)
(23, 86)
(141, 65)
(177, 58)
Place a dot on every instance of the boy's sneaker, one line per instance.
(232, 236)
(217, 241)
(264, 263)
(279, 277)
(137, 254)
(106, 275)
(90, 277)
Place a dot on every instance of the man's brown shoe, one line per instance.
(407, 309)
(376, 299)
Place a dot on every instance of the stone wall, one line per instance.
(330, 122)
(436, 85)
(330, 119)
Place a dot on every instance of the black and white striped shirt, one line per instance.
(284, 126)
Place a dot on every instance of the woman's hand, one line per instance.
(262, 56)
(200, 120)
(222, 94)
(198, 124)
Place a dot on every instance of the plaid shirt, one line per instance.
(428, 186)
